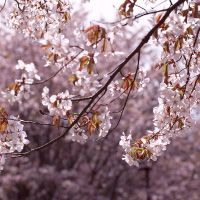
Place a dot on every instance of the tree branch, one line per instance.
(119, 68)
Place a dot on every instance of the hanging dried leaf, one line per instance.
(158, 17)
(176, 45)
(50, 56)
(104, 47)
(56, 122)
(83, 62)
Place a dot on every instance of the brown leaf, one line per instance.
(90, 28)
(195, 12)
(90, 68)
(56, 122)
(134, 85)
(189, 30)
(50, 56)
(155, 33)
(125, 85)
(71, 119)
(83, 61)
(104, 47)
(176, 45)
(158, 17)
(168, 110)
(73, 78)
(165, 73)
(181, 42)
(45, 46)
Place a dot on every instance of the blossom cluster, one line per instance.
(115, 89)
(105, 124)
(49, 23)
(179, 91)
(21, 89)
(125, 142)
(13, 137)
(58, 105)
(35, 17)
(86, 84)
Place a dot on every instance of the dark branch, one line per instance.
(3, 6)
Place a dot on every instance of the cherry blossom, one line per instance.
(49, 24)
(13, 138)
(58, 105)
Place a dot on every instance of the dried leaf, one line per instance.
(73, 78)
(155, 33)
(55, 57)
(71, 119)
(83, 61)
(125, 85)
(168, 110)
(134, 85)
(177, 44)
(90, 28)
(181, 42)
(165, 73)
(103, 32)
(158, 17)
(50, 56)
(195, 12)
(90, 36)
(189, 30)
(104, 47)
(90, 68)
(45, 46)
(56, 122)
(94, 118)
(166, 46)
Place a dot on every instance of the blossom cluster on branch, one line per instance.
(49, 23)
(13, 138)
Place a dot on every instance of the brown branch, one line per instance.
(188, 65)
(195, 84)
(33, 122)
(195, 41)
(134, 18)
(3, 5)
(131, 86)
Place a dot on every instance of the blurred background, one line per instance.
(95, 171)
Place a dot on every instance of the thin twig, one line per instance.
(3, 6)
(131, 86)
(38, 123)
(44, 81)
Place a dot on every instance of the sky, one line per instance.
(99, 9)
(107, 9)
